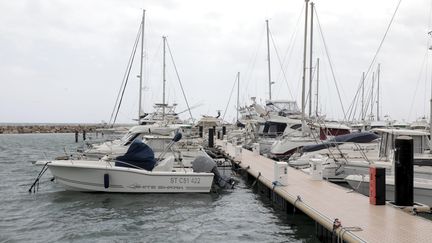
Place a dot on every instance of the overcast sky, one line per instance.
(63, 60)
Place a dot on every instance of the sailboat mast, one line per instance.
(238, 95)
(378, 88)
(430, 103)
(304, 69)
(268, 59)
(372, 93)
(141, 68)
(362, 100)
(164, 79)
(310, 60)
(316, 108)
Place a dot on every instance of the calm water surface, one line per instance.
(53, 214)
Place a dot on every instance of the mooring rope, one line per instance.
(253, 184)
(295, 202)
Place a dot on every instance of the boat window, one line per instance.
(296, 126)
(130, 138)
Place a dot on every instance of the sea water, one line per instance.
(53, 214)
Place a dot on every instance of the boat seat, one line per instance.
(165, 165)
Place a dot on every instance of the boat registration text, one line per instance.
(185, 180)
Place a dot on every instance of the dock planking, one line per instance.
(324, 202)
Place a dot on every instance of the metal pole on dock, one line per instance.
(211, 138)
(84, 135)
(76, 136)
(404, 171)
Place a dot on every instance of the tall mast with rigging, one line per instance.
(238, 95)
(317, 87)
(141, 67)
(163, 78)
(268, 59)
(310, 60)
(304, 70)
(378, 90)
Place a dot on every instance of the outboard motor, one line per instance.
(207, 164)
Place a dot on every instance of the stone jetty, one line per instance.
(48, 128)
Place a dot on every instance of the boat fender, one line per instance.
(106, 181)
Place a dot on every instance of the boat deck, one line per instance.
(324, 202)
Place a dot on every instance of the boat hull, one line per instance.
(104, 177)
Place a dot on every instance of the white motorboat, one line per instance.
(136, 172)
(293, 140)
(105, 176)
(422, 187)
(351, 158)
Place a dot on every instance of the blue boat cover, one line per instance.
(139, 154)
(359, 137)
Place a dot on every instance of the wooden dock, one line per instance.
(324, 202)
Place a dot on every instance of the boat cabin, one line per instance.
(388, 137)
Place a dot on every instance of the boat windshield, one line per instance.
(128, 138)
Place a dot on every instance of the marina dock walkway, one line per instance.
(324, 202)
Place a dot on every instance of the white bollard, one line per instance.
(256, 149)
(316, 169)
(238, 153)
(280, 173)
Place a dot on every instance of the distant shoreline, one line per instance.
(22, 128)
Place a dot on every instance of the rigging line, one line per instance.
(308, 93)
(293, 36)
(178, 78)
(382, 40)
(127, 76)
(290, 48)
(252, 63)
(281, 65)
(357, 101)
(425, 59)
(352, 109)
(330, 63)
(232, 90)
(418, 81)
(151, 66)
(124, 80)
